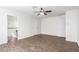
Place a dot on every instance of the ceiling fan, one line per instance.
(43, 12)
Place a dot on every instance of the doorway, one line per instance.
(12, 27)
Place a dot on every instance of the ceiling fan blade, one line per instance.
(45, 13)
(48, 11)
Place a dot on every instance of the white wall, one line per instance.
(72, 25)
(54, 26)
(12, 21)
(39, 21)
(3, 27)
(78, 28)
(27, 25)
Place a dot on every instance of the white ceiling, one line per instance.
(56, 10)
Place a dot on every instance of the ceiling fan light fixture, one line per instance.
(41, 13)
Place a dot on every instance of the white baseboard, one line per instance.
(53, 35)
(78, 44)
(27, 36)
(3, 42)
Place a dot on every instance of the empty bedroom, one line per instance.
(39, 28)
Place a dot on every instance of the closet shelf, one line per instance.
(12, 27)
